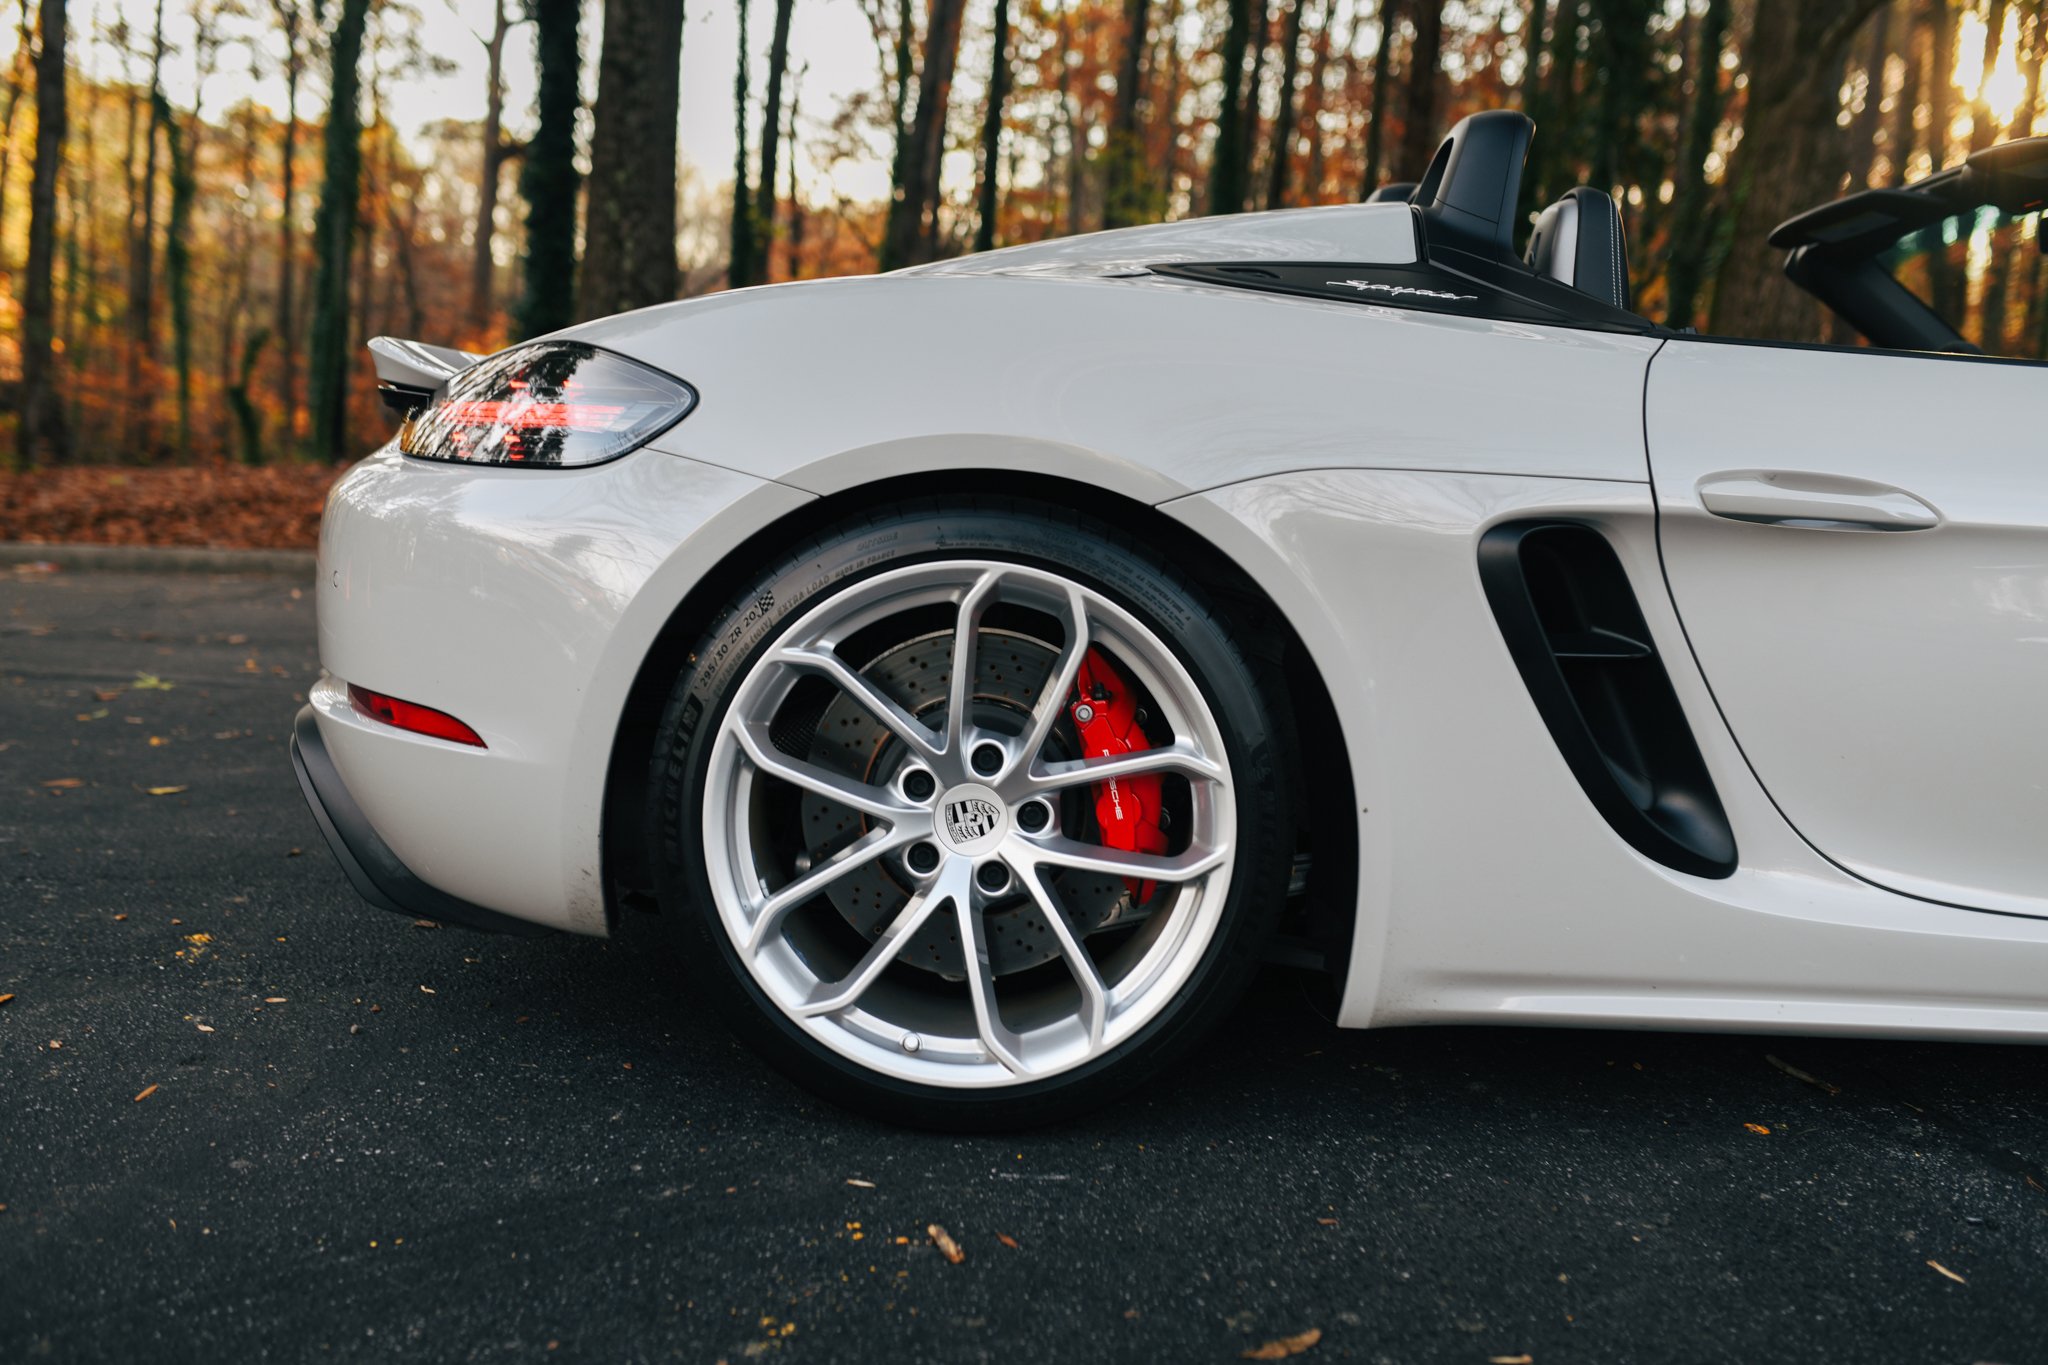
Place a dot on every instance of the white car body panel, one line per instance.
(523, 605)
(1347, 456)
(1491, 888)
(1858, 669)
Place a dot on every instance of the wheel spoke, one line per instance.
(1053, 700)
(1171, 758)
(881, 705)
(960, 687)
(837, 995)
(1094, 995)
(865, 849)
(1116, 862)
(996, 1037)
(871, 801)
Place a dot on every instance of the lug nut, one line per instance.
(923, 857)
(988, 759)
(918, 785)
(1084, 713)
(992, 877)
(1033, 816)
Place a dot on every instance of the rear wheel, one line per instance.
(976, 815)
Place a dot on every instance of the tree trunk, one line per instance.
(1945, 285)
(992, 129)
(1070, 119)
(1789, 160)
(1285, 132)
(2009, 253)
(1376, 110)
(1123, 200)
(178, 264)
(739, 257)
(548, 180)
(1226, 159)
(771, 138)
(17, 85)
(1863, 128)
(795, 249)
(1312, 104)
(483, 264)
(334, 235)
(1419, 132)
(1898, 139)
(288, 229)
(41, 436)
(912, 216)
(629, 231)
(1254, 92)
(141, 389)
(1692, 227)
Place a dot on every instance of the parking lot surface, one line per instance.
(245, 1117)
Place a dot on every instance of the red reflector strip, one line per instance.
(404, 715)
(521, 414)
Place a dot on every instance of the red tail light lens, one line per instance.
(550, 405)
(405, 715)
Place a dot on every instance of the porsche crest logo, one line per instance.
(971, 819)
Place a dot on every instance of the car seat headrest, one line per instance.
(1578, 241)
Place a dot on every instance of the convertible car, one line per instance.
(976, 672)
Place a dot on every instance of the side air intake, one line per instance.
(1575, 630)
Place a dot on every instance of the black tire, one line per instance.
(1235, 687)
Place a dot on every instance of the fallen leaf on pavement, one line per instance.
(857, 1184)
(205, 1028)
(167, 791)
(1758, 1128)
(65, 783)
(106, 694)
(7, 997)
(119, 918)
(1523, 1359)
(1946, 1271)
(276, 999)
(943, 1240)
(426, 990)
(150, 682)
(1327, 1222)
(1007, 1240)
(57, 1042)
(1282, 1347)
(147, 1091)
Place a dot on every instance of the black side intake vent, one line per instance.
(1576, 632)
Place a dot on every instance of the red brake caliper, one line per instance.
(1105, 713)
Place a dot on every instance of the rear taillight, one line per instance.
(405, 715)
(549, 405)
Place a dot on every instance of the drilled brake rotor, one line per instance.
(1010, 669)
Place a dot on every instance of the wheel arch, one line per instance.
(1320, 923)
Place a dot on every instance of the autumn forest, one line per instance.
(179, 287)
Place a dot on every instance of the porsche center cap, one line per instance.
(972, 820)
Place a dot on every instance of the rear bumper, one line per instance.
(377, 874)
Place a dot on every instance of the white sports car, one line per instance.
(976, 671)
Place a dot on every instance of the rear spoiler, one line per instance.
(409, 373)
(1833, 251)
(2012, 176)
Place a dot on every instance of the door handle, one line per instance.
(1814, 502)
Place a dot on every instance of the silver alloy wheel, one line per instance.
(979, 1038)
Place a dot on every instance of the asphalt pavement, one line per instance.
(244, 1117)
